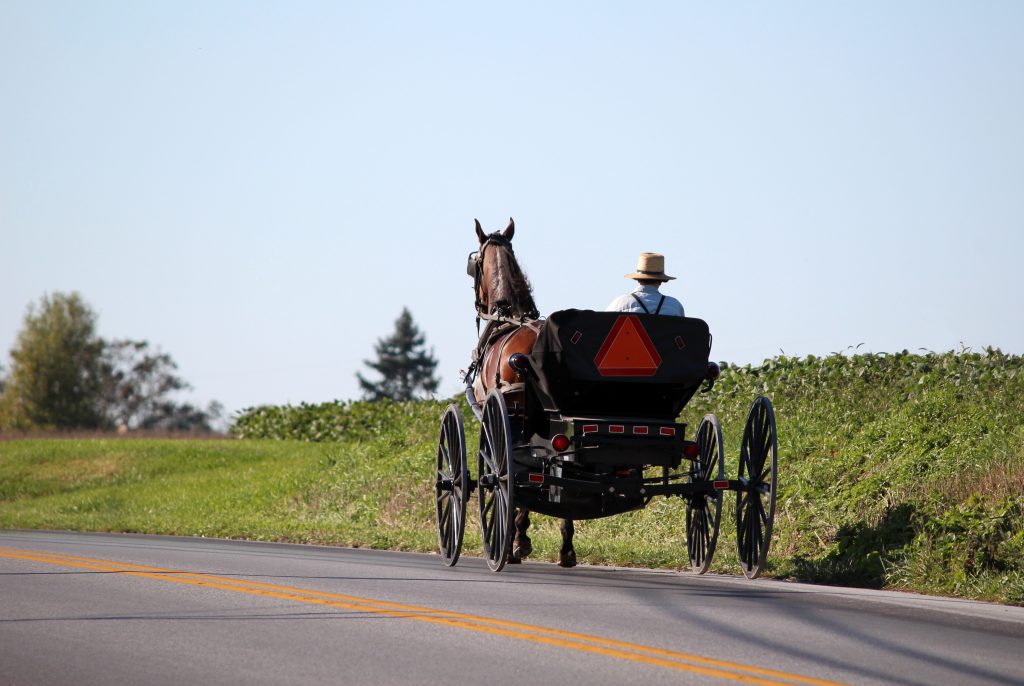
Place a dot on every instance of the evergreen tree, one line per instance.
(403, 363)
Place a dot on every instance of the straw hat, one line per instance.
(650, 265)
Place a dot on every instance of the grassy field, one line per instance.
(896, 471)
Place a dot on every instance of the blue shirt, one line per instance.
(650, 296)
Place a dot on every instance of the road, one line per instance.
(123, 609)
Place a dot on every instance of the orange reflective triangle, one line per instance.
(627, 350)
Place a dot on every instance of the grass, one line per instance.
(897, 471)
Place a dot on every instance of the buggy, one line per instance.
(590, 430)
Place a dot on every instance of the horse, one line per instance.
(504, 299)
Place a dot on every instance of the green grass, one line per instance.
(896, 471)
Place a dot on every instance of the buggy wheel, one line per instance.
(494, 482)
(451, 485)
(758, 476)
(704, 510)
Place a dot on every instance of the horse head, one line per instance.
(501, 286)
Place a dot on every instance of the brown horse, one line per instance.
(504, 299)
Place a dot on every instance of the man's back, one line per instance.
(647, 298)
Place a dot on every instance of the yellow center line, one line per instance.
(536, 634)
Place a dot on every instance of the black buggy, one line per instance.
(593, 433)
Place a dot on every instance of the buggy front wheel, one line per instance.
(494, 482)
(758, 477)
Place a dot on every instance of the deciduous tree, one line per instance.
(65, 377)
(137, 382)
(56, 371)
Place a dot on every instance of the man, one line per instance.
(649, 274)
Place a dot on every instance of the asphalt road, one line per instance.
(121, 609)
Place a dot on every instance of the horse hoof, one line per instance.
(513, 560)
(522, 549)
(567, 559)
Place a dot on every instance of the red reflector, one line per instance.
(691, 450)
(721, 485)
(667, 431)
(642, 430)
(590, 428)
(560, 443)
(616, 429)
(536, 478)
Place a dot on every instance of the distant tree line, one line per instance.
(63, 376)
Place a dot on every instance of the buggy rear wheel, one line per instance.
(451, 485)
(704, 510)
(758, 476)
(494, 482)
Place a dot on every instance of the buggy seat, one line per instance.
(611, 364)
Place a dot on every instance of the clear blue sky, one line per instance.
(259, 188)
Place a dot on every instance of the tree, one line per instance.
(137, 382)
(403, 363)
(55, 378)
(64, 377)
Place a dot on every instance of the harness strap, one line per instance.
(641, 304)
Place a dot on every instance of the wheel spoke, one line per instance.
(759, 537)
(766, 447)
(488, 522)
(446, 536)
(446, 511)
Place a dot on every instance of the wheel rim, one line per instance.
(450, 486)
(758, 475)
(494, 484)
(704, 510)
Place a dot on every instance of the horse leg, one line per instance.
(567, 555)
(521, 545)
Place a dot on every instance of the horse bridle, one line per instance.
(475, 268)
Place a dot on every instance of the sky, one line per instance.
(259, 188)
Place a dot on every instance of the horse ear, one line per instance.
(510, 230)
(480, 232)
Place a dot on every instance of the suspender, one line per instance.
(641, 303)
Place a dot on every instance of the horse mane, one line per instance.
(521, 289)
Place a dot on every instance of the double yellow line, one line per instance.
(669, 659)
